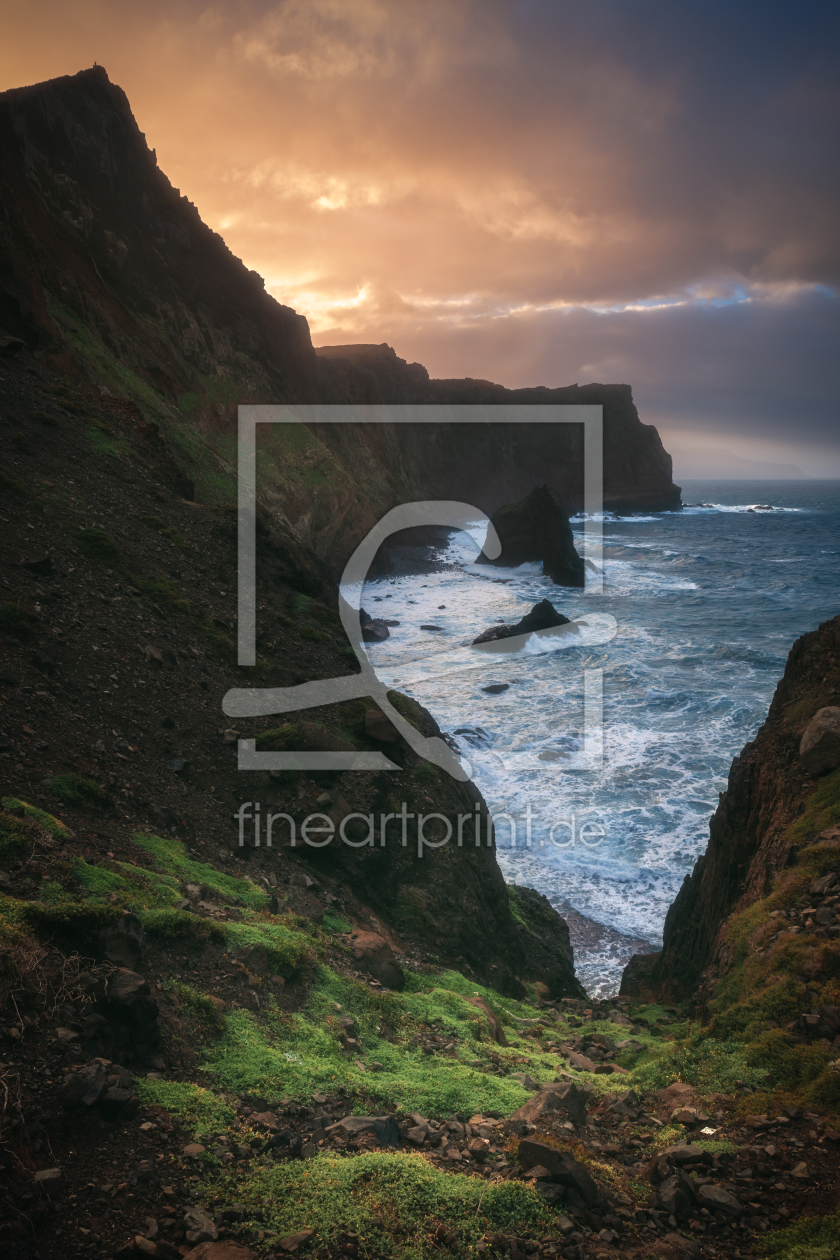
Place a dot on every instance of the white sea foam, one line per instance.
(704, 618)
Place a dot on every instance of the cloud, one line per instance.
(644, 192)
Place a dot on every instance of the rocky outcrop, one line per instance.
(820, 745)
(543, 616)
(111, 274)
(751, 839)
(637, 978)
(537, 528)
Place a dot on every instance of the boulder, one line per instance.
(49, 1178)
(221, 1251)
(637, 977)
(676, 1195)
(199, 1226)
(563, 1168)
(355, 1124)
(379, 727)
(819, 747)
(716, 1199)
(578, 1061)
(684, 1153)
(543, 616)
(561, 1096)
(123, 942)
(132, 1013)
(374, 629)
(84, 1088)
(537, 528)
(374, 955)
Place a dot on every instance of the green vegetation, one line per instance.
(196, 1106)
(407, 708)
(73, 790)
(335, 923)
(812, 1238)
(97, 545)
(14, 839)
(425, 772)
(46, 417)
(513, 902)
(424, 1210)
(104, 441)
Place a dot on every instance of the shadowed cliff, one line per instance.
(109, 273)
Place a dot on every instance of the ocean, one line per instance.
(706, 604)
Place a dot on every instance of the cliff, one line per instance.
(772, 820)
(109, 274)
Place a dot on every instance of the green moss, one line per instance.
(811, 1238)
(73, 790)
(172, 856)
(154, 522)
(280, 739)
(13, 923)
(54, 826)
(200, 1108)
(97, 545)
(416, 1202)
(791, 1063)
(335, 923)
(60, 915)
(425, 772)
(13, 839)
(198, 1005)
(189, 402)
(97, 880)
(821, 812)
(407, 708)
(16, 621)
(513, 902)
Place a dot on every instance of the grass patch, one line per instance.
(198, 1107)
(98, 545)
(335, 923)
(298, 1054)
(53, 825)
(74, 790)
(812, 1238)
(821, 812)
(417, 1203)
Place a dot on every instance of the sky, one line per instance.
(535, 193)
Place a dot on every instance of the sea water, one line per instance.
(698, 611)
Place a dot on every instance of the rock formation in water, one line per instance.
(537, 529)
(543, 616)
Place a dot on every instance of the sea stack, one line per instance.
(537, 528)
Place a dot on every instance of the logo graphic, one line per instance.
(261, 702)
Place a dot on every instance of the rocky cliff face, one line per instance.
(110, 273)
(772, 811)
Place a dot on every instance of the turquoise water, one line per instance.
(706, 602)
